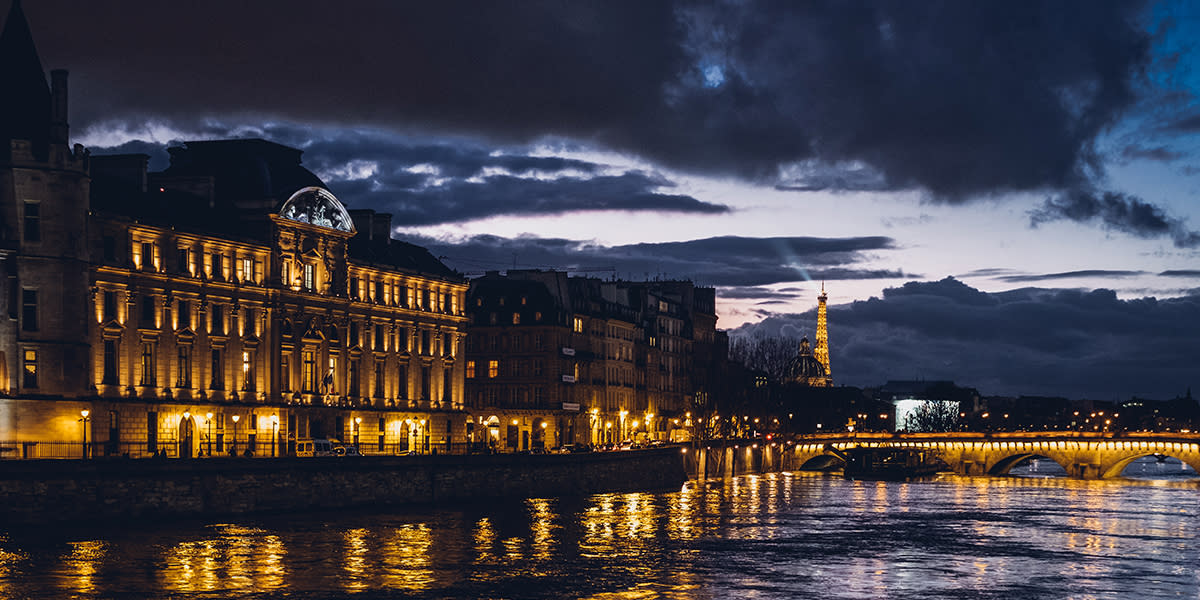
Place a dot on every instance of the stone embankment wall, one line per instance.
(39, 492)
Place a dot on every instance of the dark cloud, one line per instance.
(423, 182)
(1185, 124)
(1027, 341)
(1119, 212)
(721, 261)
(1180, 273)
(959, 98)
(1092, 273)
(1155, 153)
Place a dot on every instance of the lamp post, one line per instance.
(233, 446)
(357, 429)
(274, 434)
(209, 417)
(83, 419)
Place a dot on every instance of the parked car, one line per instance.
(346, 450)
(317, 447)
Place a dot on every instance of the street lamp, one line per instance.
(233, 446)
(83, 419)
(357, 428)
(209, 417)
(274, 434)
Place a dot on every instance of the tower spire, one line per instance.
(821, 352)
(27, 103)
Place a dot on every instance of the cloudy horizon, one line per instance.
(995, 193)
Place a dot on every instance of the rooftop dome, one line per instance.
(804, 367)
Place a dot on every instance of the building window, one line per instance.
(354, 288)
(148, 374)
(148, 312)
(379, 292)
(110, 248)
(516, 319)
(379, 379)
(577, 325)
(425, 350)
(309, 364)
(246, 272)
(29, 310)
(539, 343)
(30, 373)
(218, 371)
(447, 345)
(354, 379)
(402, 296)
(218, 267)
(447, 380)
(285, 374)
(426, 383)
(493, 369)
(183, 368)
(248, 383)
(402, 375)
(185, 261)
(470, 369)
(111, 362)
(379, 337)
(184, 315)
(110, 306)
(309, 283)
(217, 326)
(537, 367)
(33, 222)
(147, 256)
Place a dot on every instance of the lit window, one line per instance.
(516, 320)
(493, 368)
(578, 325)
(309, 284)
(148, 370)
(30, 379)
(470, 369)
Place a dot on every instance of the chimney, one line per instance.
(58, 107)
(381, 227)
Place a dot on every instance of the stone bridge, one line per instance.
(1084, 455)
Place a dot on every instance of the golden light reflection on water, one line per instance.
(237, 558)
(10, 567)
(354, 561)
(84, 560)
(544, 528)
(407, 561)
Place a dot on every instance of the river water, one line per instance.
(782, 535)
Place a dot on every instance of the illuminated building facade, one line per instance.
(555, 360)
(229, 303)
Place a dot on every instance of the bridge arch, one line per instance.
(1006, 464)
(1117, 466)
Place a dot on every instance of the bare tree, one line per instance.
(933, 416)
(769, 354)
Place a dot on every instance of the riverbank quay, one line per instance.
(80, 491)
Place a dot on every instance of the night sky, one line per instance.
(999, 193)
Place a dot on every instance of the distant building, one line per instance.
(908, 398)
(230, 302)
(555, 360)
